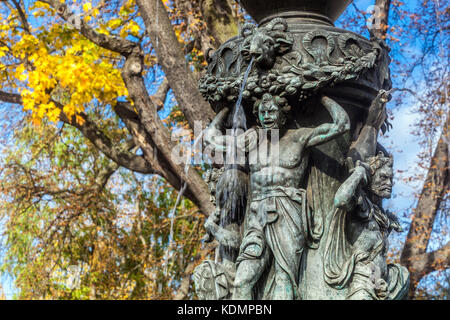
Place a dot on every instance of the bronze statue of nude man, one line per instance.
(276, 226)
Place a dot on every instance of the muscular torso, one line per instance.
(283, 164)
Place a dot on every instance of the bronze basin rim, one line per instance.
(328, 9)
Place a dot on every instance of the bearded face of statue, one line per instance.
(382, 181)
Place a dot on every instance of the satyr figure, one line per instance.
(357, 245)
(278, 221)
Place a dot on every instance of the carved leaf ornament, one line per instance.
(295, 72)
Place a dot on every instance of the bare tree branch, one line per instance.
(433, 261)
(20, 11)
(160, 96)
(10, 97)
(384, 6)
(173, 62)
(145, 142)
(118, 154)
(105, 173)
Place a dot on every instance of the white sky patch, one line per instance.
(405, 147)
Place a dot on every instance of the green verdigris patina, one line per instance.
(299, 201)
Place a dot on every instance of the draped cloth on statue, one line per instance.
(340, 259)
(345, 262)
(284, 225)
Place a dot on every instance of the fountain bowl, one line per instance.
(326, 11)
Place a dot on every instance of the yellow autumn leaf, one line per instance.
(114, 23)
(87, 6)
(53, 113)
(22, 77)
(134, 28)
(3, 51)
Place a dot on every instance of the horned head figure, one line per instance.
(267, 42)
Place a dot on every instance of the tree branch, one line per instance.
(152, 152)
(118, 154)
(22, 16)
(113, 43)
(435, 187)
(105, 173)
(433, 261)
(158, 137)
(173, 62)
(160, 96)
(10, 97)
(384, 6)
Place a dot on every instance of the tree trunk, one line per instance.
(171, 58)
(222, 24)
(383, 17)
(414, 255)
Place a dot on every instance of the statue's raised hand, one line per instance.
(363, 170)
(377, 111)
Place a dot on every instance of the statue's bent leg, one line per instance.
(250, 265)
(286, 241)
(247, 275)
(283, 289)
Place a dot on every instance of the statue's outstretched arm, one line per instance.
(228, 238)
(328, 131)
(346, 194)
(365, 146)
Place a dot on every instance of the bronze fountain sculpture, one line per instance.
(299, 214)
